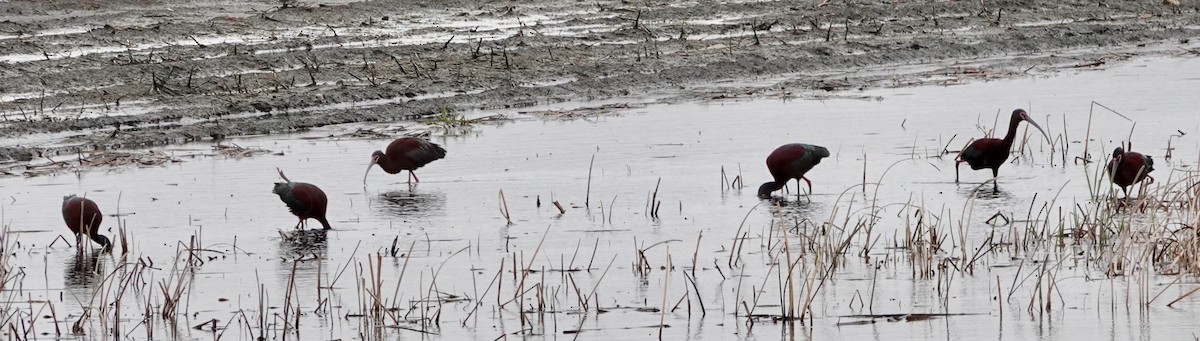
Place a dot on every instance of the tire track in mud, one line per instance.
(117, 75)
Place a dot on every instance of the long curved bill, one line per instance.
(372, 164)
(1039, 128)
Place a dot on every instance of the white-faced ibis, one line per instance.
(791, 161)
(405, 154)
(83, 216)
(304, 200)
(992, 152)
(1128, 168)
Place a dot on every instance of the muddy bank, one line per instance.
(80, 77)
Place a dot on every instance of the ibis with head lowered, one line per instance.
(405, 154)
(791, 161)
(83, 217)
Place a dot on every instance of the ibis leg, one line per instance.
(1149, 180)
(995, 177)
(414, 175)
(956, 163)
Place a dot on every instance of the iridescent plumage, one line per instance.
(791, 161)
(83, 216)
(304, 200)
(406, 154)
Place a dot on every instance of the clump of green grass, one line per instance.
(450, 123)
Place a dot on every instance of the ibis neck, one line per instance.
(389, 164)
(765, 190)
(103, 241)
(1012, 132)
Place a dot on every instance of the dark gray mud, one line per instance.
(80, 76)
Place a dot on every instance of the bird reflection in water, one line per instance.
(797, 210)
(304, 253)
(84, 269)
(984, 192)
(303, 243)
(411, 203)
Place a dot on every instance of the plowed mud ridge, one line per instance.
(77, 76)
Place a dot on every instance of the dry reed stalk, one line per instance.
(1086, 158)
(400, 279)
(724, 180)
(592, 294)
(788, 308)
(479, 298)
(738, 183)
(345, 266)
(291, 303)
(611, 210)
(874, 280)
(754, 292)
(54, 320)
(504, 209)
(587, 197)
(602, 215)
(864, 174)
(699, 297)
(734, 250)
(525, 271)
(654, 202)
(180, 280)
(662, 313)
(999, 302)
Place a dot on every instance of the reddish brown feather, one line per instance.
(410, 153)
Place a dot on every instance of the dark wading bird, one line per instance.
(992, 152)
(791, 161)
(1128, 168)
(304, 200)
(83, 216)
(405, 154)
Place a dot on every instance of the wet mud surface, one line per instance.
(99, 75)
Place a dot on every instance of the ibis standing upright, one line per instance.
(791, 161)
(1127, 168)
(992, 152)
(405, 154)
(83, 217)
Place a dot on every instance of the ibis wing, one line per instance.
(296, 202)
(811, 157)
(816, 151)
(80, 213)
(1134, 167)
(300, 205)
(984, 153)
(419, 152)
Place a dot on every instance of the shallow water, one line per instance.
(452, 220)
